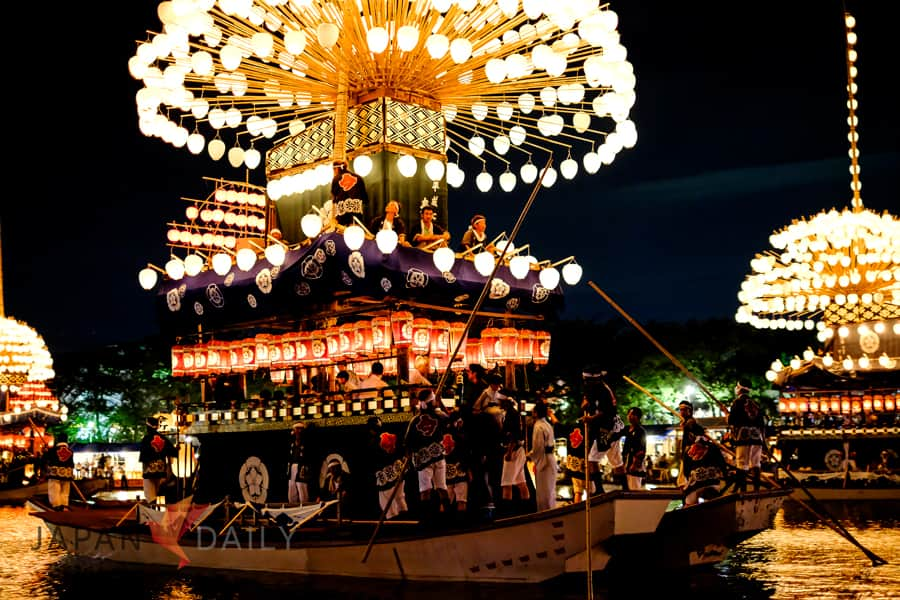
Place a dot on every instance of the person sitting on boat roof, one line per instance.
(476, 234)
(748, 427)
(424, 442)
(348, 194)
(428, 233)
(59, 468)
(155, 454)
(390, 220)
(702, 464)
(387, 462)
(300, 471)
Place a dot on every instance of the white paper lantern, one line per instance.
(275, 254)
(195, 143)
(568, 168)
(407, 165)
(175, 268)
(147, 278)
(221, 263)
(549, 177)
(571, 273)
(528, 172)
(460, 50)
(501, 144)
(581, 121)
(407, 37)
(455, 175)
(434, 168)
(526, 103)
(362, 165)
(484, 181)
(476, 145)
(311, 225)
(294, 41)
(519, 266)
(517, 135)
(246, 258)
(386, 240)
(327, 34)
(377, 39)
(443, 259)
(354, 236)
(507, 181)
(235, 156)
(252, 158)
(437, 45)
(193, 264)
(549, 278)
(591, 162)
(484, 263)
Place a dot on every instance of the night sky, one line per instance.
(741, 117)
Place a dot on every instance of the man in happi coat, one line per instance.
(156, 450)
(59, 468)
(387, 458)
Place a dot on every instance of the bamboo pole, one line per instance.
(587, 515)
(834, 524)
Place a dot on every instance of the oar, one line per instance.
(445, 375)
(835, 525)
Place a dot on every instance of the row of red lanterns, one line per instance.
(362, 339)
(838, 404)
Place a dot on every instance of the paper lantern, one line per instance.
(248, 354)
(303, 343)
(473, 351)
(508, 345)
(457, 330)
(889, 402)
(200, 356)
(526, 345)
(401, 327)
(218, 358)
(867, 403)
(813, 405)
(345, 339)
(878, 402)
(541, 347)
(289, 349)
(490, 338)
(381, 334)
(178, 361)
(362, 338)
(440, 339)
(319, 347)
(262, 351)
(333, 339)
(234, 355)
(421, 335)
(835, 405)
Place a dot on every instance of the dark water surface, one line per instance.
(799, 558)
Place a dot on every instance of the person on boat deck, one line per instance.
(475, 384)
(702, 464)
(634, 450)
(513, 470)
(424, 441)
(59, 468)
(336, 484)
(155, 454)
(544, 457)
(428, 232)
(300, 471)
(374, 382)
(387, 457)
(390, 220)
(748, 428)
(604, 427)
(476, 234)
(486, 434)
(344, 382)
(353, 377)
(348, 194)
(456, 455)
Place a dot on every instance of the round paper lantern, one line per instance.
(519, 266)
(440, 339)
(147, 278)
(443, 259)
(354, 236)
(362, 165)
(200, 356)
(571, 273)
(311, 225)
(333, 339)
(549, 277)
(221, 263)
(484, 263)
(386, 240)
(246, 258)
(319, 347)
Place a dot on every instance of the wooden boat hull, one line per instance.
(829, 494)
(530, 548)
(20, 495)
(702, 534)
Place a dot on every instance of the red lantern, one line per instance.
(508, 345)
(878, 402)
(526, 345)
(362, 338)
(421, 335)
(845, 404)
(782, 405)
(802, 406)
(490, 338)
(200, 367)
(813, 405)
(835, 405)
(824, 406)
(333, 339)
(248, 354)
(319, 347)
(456, 334)
(262, 351)
(867, 403)
(303, 343)
(381, 334)
(401, 327)
(440, 339)
(275, 360)
(178, 361)
(541, 347)
(889, 402)
(473, 352)
(289, 349)
(234, 355)
(345, 339)
(223, 350)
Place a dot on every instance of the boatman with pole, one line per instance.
(59, 467)
(156, 450)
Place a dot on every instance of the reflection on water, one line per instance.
(798, 558)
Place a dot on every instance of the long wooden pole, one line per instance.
(446, 373)
(834, 524)
(654, 398)
(587, 516)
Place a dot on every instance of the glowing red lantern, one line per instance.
(526, 345)
(234, 355)
(813, 405)
(802, 406)
(200, 367)
(867, 403)
(440, 339)
(508, 345)
(835, 405)
(302, 343)
(889, 402)
(362, 338)
(333, 339)
(262, 351)
(289, 349)
(823, 406)
(319, 347)
(473, 352)
(178, 361)
(275, 360)
(248, 354)
(401, 327)
(541, 347)
(421, 335)
(878, 402)
(845, 404)
(782, 405)
(345, 341)
(381, 334)
(490, 338)
(456, 335)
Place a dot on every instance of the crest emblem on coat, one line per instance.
(388, 442)
(427, 425)
(63, 453)
(575, 438)
(348, 181)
